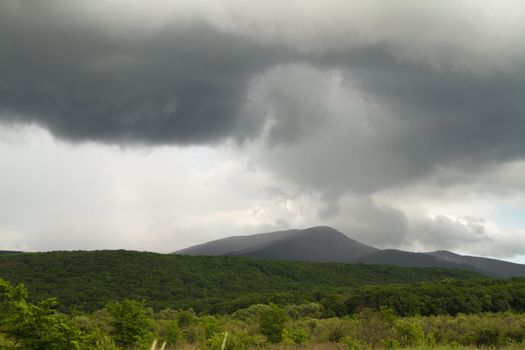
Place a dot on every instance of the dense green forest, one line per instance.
(129, 324)
(87, 281)
(127, 300)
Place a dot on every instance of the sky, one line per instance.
(127, 124)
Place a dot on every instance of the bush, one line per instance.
(332, 330)
(186, 318)
(210, 325)
(129, 321)
(352, 344)
(409, 332)
(374, 327)
(271, 323)
(312, 310)
(296, 335)
(169, 331)
(35, 326)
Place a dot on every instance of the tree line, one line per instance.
(130, 324)
(87, 281)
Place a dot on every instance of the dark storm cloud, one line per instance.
(450, 116)
(191, 81)
(409, 121)
(340, 98)
(184, 83)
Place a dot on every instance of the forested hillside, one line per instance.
(131, 325)
(88, 280)
(129, 300)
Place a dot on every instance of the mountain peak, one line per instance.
(326, 244)
(319, 243)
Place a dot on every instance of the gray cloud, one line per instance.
(184, 83)
(385, 226)
(191, 81)
(471, 235)
(348, 97)
(378, 225)
(387, 123)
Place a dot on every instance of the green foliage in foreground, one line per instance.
(87, 281)
(129, 321)
(271, 323)
(131, 325)
(34, 326)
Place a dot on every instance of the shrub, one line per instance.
(296, 335)
(186, 318)
(352, 344)
(409, 332)
(210, 325)
(271, 323)
(35, 326)
(312, 310)
(169, 331)
(129, 321)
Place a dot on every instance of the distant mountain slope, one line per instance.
(327, 244)
(445, 259)
(402, 258)
(313, 244)
(9, 252)
(491, 267)
(231, 245)
(411, 259)
(321, 244)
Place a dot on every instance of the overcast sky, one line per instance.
(156, 126)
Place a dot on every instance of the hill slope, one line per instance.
(327, 244)
(402, 258)
(445, 259)
(491, 267)
(321, 244)
(89, 280)
(230, 245)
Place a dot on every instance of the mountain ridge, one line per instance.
(326, 244)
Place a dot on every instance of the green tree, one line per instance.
(169, 331)
(129, 320)
(34, 326)
(271, 323)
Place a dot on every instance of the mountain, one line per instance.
(325, 244)
(226, 246)
(410, 259)
(320, 244)
(491, 267)
(442, 258)
(9, 252)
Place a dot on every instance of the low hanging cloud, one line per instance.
(474, 236)
(385, 226)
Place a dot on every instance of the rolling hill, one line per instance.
(325, 244)
(88, 280)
